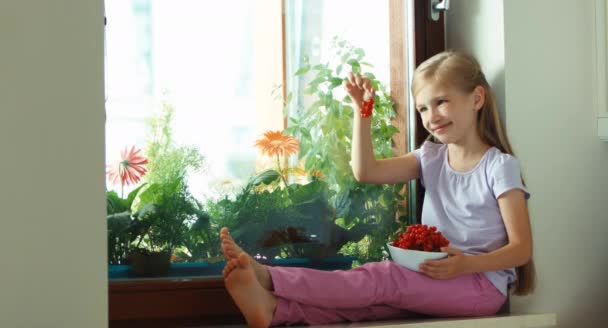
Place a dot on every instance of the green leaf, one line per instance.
(133, 194)
(302, 70)
(334, 82)
(353, 62)
(318, 80)
(359, 52)
(370, 76)
(305, 133)
(265, 177)
(345, 57)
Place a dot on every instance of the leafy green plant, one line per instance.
(120, 225)
(324, 127)
(268, 220)
(169, 217)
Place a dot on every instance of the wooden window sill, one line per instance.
(204, 302)
(170, 302)
(503, 321)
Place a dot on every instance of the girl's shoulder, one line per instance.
(503, 173)
(429, 151)
(497, 160)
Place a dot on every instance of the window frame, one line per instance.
(170, 302)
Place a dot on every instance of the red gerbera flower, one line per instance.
(129, 170)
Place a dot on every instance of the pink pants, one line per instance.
(377, 291)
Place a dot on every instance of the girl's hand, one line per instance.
(452, 266)
(359, 88)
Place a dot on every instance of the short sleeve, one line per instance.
(505, 175)
(429, 158)
(418, 153)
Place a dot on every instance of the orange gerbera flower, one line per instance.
(129, 170)
(276, 143)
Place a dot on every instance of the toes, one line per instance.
(230, 265)
(223, 233)
(243, 261)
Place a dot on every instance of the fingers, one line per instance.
(359, 80)
(452, 251)
(432, 267)
(367, 85)
(434, 272)
(347, 85)
(355, 79)
(351, 78)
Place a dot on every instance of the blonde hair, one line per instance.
(461, 70)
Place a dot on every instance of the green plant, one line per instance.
(269, 219)
(120, 225)
(323, 125)
(169, 218)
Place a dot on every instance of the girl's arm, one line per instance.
(518, 251)
(365, 167)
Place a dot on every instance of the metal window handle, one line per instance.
(436, 7)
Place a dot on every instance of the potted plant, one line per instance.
(168, 216)
(323, 124)
(282, 216)
(127, 171)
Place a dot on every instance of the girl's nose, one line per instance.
(433, 115)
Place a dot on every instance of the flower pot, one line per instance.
(150, 264)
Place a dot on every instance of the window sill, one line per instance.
(170, 302)
(198, 302)
(501, 321)
(504, 321)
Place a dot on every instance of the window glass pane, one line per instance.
(190, 88)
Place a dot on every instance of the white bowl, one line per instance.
(412, 259)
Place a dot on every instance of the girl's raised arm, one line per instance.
(365, 167)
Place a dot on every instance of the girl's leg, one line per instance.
(390, 284)
(290, 313)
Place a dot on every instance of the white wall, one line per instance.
(550, 119)
(477, 26)
(52, 204)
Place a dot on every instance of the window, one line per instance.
(227, 76)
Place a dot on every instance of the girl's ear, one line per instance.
(479, 97)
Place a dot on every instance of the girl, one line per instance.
(474, 195)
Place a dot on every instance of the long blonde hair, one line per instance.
(462, 70)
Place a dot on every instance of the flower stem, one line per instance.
(281, 171)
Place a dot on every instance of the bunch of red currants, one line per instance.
(421, 237)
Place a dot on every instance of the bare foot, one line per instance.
(255, 303)
(232, 251)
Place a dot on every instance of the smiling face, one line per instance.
(449, 114)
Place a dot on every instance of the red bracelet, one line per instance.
(368, 106)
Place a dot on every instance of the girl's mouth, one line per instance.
(441, 128)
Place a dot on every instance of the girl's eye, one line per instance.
(421, 109)
(441, 101)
